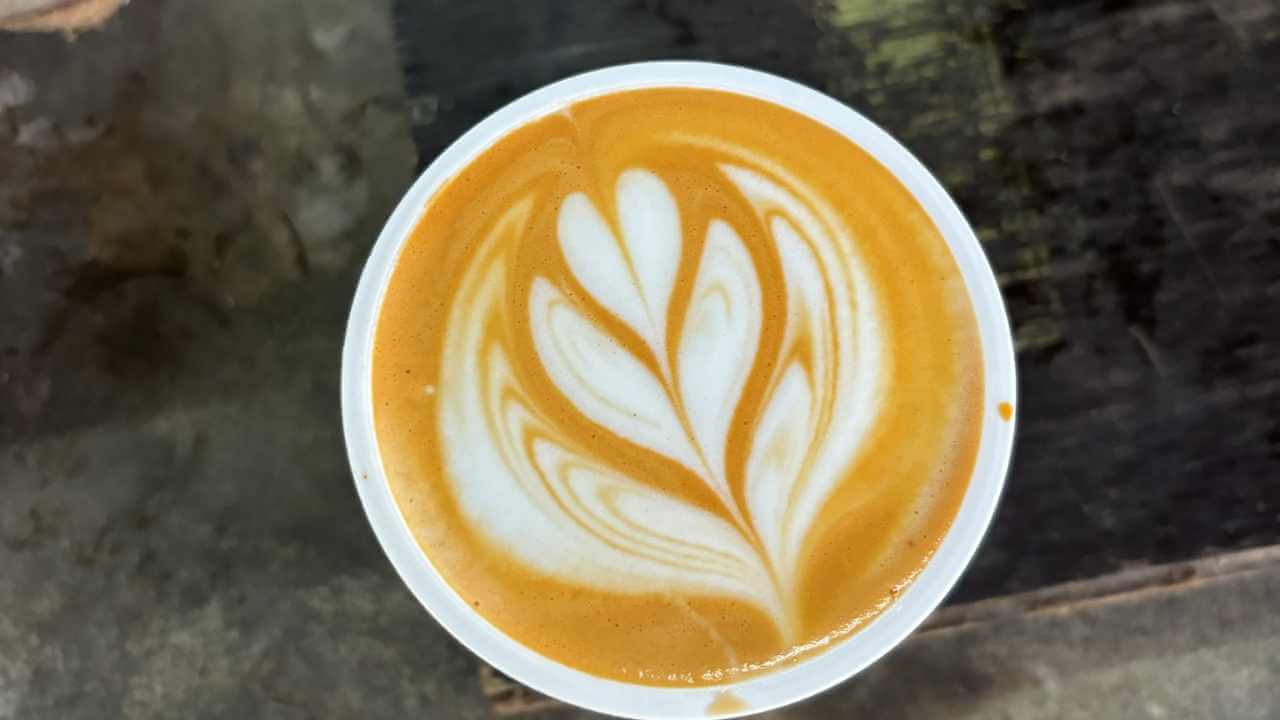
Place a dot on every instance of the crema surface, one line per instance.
(676, 386)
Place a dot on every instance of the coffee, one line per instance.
(676, 386)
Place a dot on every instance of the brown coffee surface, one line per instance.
(676, 386)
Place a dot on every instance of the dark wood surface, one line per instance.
(1121, 164)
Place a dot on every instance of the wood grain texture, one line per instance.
(1121, 164)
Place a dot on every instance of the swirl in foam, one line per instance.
(665, 369)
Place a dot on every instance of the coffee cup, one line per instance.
(754, 692)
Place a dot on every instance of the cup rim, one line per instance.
(757, 693)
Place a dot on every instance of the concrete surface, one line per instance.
(185, 200)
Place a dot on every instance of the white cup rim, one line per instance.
(757, 694)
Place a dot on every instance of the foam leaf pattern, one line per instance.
(529, 488)
(572, 512)
(632, 275)
(602, 379)
(718, 342)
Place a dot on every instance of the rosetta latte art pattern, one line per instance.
(605, 526)
(674, 386)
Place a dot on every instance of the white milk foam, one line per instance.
(564, 510)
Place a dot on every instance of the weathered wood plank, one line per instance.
(1120, 162)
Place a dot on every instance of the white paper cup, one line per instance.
(758, 693)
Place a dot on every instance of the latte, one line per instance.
(676, 386)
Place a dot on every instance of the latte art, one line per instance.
(594, 523)
(688, 414)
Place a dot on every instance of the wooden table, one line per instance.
(1122, 168)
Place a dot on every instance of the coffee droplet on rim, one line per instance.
(727, 703)
(1005, 410)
